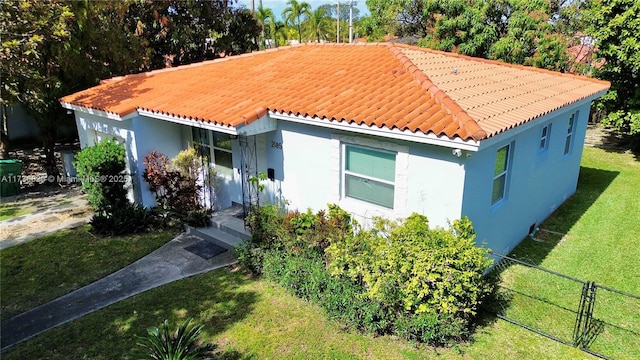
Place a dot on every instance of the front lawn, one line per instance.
(254, 318)
(39, 271)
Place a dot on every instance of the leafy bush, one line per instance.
(183, 344)
(406, 278)
(199, 217)
(416, 269)
(100, 166)
(174, 183)
(127, 219)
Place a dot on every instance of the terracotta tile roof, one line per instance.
(374, 84)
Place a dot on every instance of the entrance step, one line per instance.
(216, 236)
(227, 229)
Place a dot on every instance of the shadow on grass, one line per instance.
(618, 143)
(217, 300)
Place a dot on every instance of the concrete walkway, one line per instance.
(51, 213)
(169, 263)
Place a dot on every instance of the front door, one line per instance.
(217, 150)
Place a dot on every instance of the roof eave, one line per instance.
(101, 113)
(406, 135)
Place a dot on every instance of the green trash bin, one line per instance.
(10, 174)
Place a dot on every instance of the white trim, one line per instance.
(189, 122)
(405, 135)
(104, 114)
(360, 207)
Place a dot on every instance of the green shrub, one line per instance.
(101, 167)
(250, 256)
(417, 270)
(405, 278)
(183, 344)
(198, 217)
(127, 219)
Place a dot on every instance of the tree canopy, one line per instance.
(53, 48)
(614, 25)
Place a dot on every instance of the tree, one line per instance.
(292, 14)
(384, 18)
(185, 32)
(34, 34)
(318, 25)
(460, 26)
(53, 48)
(615, 25)
(265, 18)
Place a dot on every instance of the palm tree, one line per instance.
(265, 17)
(294, 11)
(318, 25)
(279, 33)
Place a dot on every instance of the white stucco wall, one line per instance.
(307, 163)
(153, 134)
(93, 128)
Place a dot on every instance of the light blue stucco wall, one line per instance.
(538, 181)
(307, 166)
(154, 135)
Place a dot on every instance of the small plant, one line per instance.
(183, 344)
(127, 219)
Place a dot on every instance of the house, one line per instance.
(381, 129)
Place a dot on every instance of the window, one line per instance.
(216, 148)
(544, 137)
(500, 174)
(570, 126)
(369, 175)
(222, 154)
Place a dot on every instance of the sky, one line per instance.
(278, 5)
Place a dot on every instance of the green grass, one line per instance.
(14, 210)
(601, 243)
(250, 318)
(253, 318)
(39, 271)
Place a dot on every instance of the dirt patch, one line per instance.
(600, 137)
(34, 181)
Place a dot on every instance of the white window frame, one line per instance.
(505, 173)
(346, 172)
(210, 145)
(571, 129)
(362, 208)
(545, 135)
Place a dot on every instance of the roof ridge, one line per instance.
(464, 120)
(501, 63)
(192, 65)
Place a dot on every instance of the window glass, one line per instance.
(500, 174)
(567, 142)
(369, 175)
(501, 160)
(544, 137)
(370, 162)
(221, 140)
(224, 162)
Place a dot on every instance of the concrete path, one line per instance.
(51, 213)
(169, 263)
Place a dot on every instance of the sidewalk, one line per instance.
(169, 263)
